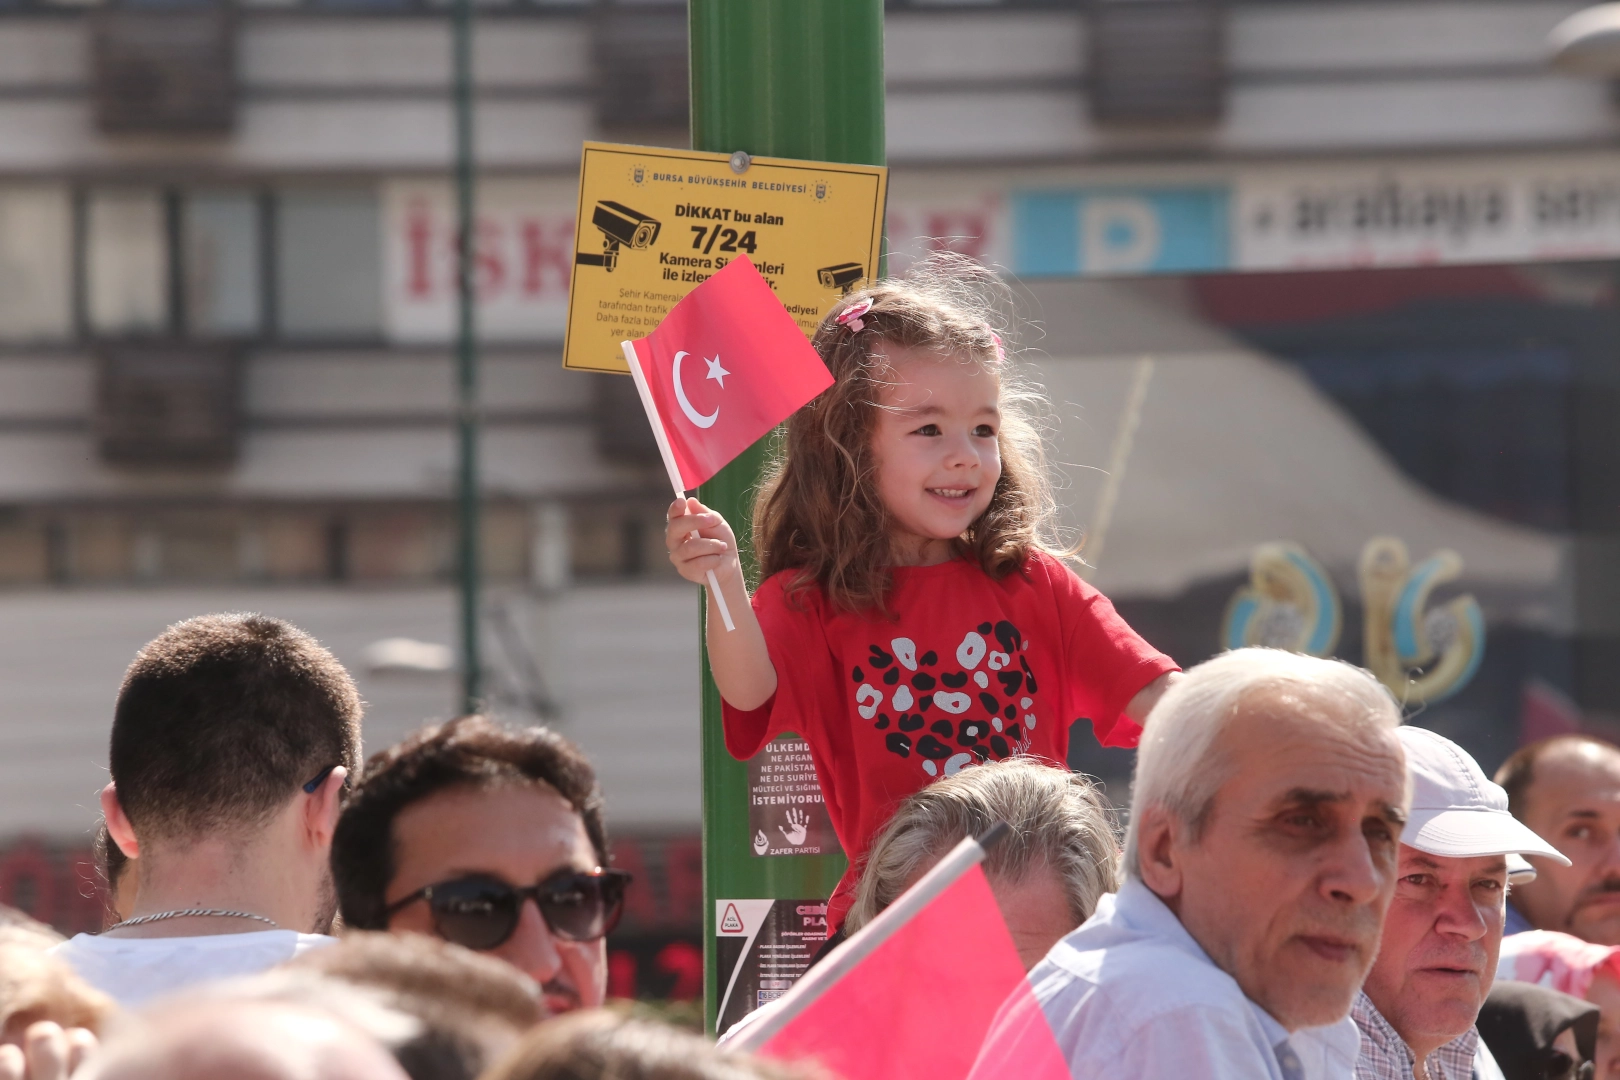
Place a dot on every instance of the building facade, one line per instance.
(1310, 273)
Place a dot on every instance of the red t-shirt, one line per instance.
(968, 669)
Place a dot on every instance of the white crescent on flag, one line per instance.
(686, 405)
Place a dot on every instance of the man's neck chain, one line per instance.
(211, 912)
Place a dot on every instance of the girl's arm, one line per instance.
(1147, 697)
(738, 658)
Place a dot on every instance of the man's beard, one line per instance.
(327, 910)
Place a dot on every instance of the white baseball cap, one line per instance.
(1457, 812)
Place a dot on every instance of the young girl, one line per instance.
(914, 619)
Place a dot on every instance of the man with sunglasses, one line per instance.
(492, 838)
(232, 739)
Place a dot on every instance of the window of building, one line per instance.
(221, 262)
(329, 264)
(302, 265)
(127, 261)
(36, 262)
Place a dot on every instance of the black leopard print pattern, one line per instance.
(980, 708)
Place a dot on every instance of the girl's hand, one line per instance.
(699, 540)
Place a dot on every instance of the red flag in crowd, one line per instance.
(727, 364)
(920, 1003)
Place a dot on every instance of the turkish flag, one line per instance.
(727, 364)
(921, 1004)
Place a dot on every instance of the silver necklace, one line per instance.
(214, 912)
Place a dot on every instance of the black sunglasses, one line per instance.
(320, 778)
(482, 912)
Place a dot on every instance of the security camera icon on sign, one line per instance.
(842, 277)
(620, 226)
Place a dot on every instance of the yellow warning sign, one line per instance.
(655, 223)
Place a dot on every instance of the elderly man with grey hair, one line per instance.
(1260, 860)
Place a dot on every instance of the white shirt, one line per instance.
(132, 971)
(1131, 994)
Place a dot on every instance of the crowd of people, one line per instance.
(1305, 889)
(277, 911)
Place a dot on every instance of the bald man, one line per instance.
(1567, 789)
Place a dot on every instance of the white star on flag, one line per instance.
(716, 372)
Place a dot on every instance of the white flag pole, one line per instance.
(668, 455)
(844, 959)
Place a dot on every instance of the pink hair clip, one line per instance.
(1001, 353)
(854, 315)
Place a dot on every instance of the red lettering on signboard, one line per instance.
(548, 255)
(519, 255)
(419, 250)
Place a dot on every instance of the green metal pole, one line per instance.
(466, 362)
(776, 78)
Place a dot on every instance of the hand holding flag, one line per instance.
(731, 327)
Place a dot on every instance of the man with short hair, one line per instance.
(492, 838)
(1270, 792)
(1437, 958)
(232, 738)
(1567, 789)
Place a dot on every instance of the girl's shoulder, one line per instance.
(1040, 566)
(1047, 571)
(778, 591)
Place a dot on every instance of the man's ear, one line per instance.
(321, 808)
(118, 826)
(1158, 853)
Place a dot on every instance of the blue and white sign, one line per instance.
(1105, 231)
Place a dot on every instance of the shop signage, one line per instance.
(1110, 231)
(1501, 211)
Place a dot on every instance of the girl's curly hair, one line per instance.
(817, 510)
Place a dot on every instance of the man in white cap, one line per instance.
(1438, 954)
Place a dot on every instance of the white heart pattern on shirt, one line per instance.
(979, 724)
